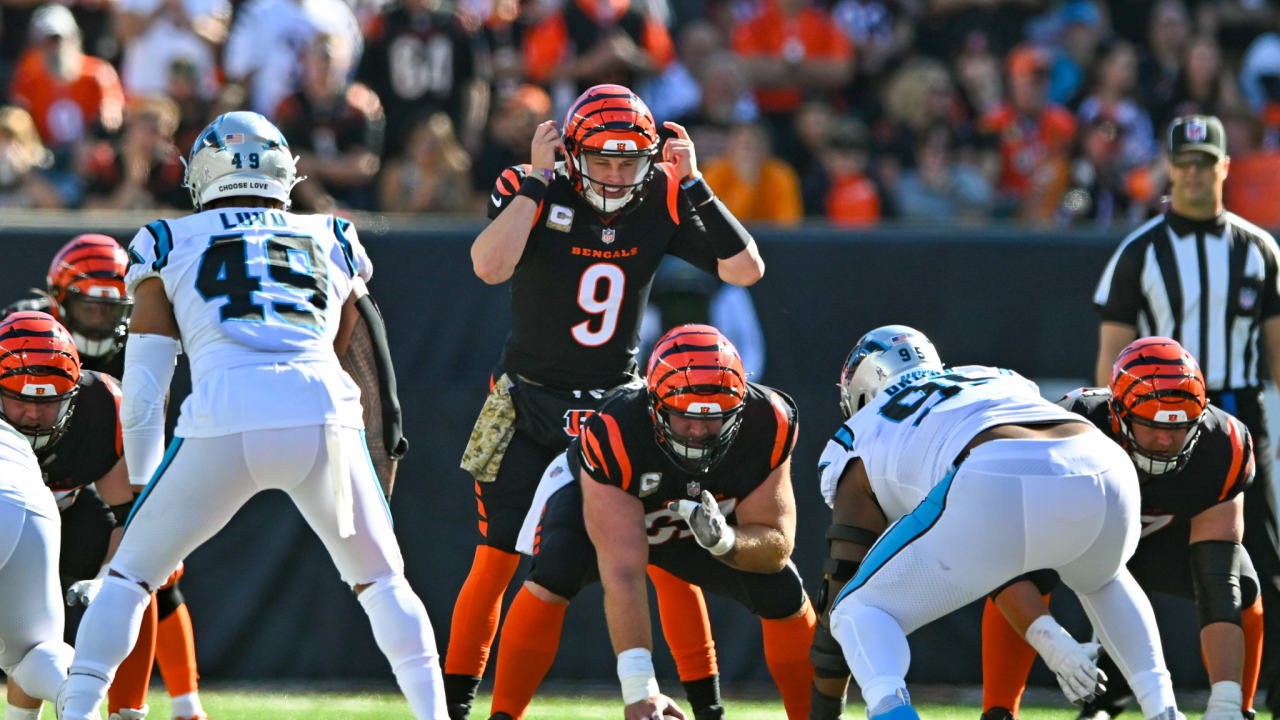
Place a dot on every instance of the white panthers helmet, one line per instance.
(240, 154)
(878, 358)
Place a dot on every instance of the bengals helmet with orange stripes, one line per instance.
(695, 375)
(86, 288)
(1156, 383)
(39, 376)
(609, 121)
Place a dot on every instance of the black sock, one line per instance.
(704, 698)
(459, 693)
(825, 707)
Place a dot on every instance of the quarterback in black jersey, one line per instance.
(692, 475)
(1194, 463)
(580, 241)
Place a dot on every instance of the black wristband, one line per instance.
(534, 189)
(698, 191)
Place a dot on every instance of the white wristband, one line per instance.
(727, 540)
(635, 672)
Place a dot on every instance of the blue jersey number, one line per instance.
(293, 261)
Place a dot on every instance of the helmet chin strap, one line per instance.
(94, 348)
(600, 202)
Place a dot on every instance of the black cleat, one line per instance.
(998, 713)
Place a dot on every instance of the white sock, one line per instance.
(403, 633)
(185, 706)
(107, 633)
(875, 648)
(17, 713)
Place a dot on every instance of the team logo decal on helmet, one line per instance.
(38, 364)
(695, 374)
(610, 121)
(1156, 383)
(878, 358)
(240, 154)
(86, 286)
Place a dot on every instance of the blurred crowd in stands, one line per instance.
(1050, 113)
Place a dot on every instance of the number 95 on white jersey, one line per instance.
(263, 279)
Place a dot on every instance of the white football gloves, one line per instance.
(1074, 664)
(706, 521)
(1225, 700)
(84, 591)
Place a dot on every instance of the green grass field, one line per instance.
(301, 704)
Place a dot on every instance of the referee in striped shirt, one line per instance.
(1210, 280)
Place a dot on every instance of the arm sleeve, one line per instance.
(368, 362)
(1119, 293)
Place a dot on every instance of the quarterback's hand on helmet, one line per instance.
(1225, 700)
(542, 152)
(657, 707)
(83, 592)
(709, 526)
(1075, 664)
(679, 151)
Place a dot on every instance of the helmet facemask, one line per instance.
(615, 195)
(1153, 462)
(41, 436)
(98, 322)
(697, 455)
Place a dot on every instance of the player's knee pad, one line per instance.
(399, 620)
(776, 597)
(41, 671)
(168, 599)
(826, 655)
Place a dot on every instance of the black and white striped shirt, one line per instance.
(1208, 284)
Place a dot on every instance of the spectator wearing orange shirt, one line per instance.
(852, 198)
(591, 42)
(70, 95)
(753, 184)
(1034, 136)
(792, 48)
(1254, 182)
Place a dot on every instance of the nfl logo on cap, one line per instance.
(1197, 131)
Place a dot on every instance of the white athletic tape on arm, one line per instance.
(635, 672)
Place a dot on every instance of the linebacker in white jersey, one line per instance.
(260, 299)
(982, 480)
(32, 652)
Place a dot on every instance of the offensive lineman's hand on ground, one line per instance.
(542, 151)
(657, 707)
(708, 524)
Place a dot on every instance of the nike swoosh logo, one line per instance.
(496, 200)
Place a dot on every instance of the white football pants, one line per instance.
(201, 483)
(1012, 506)
(31, 609)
